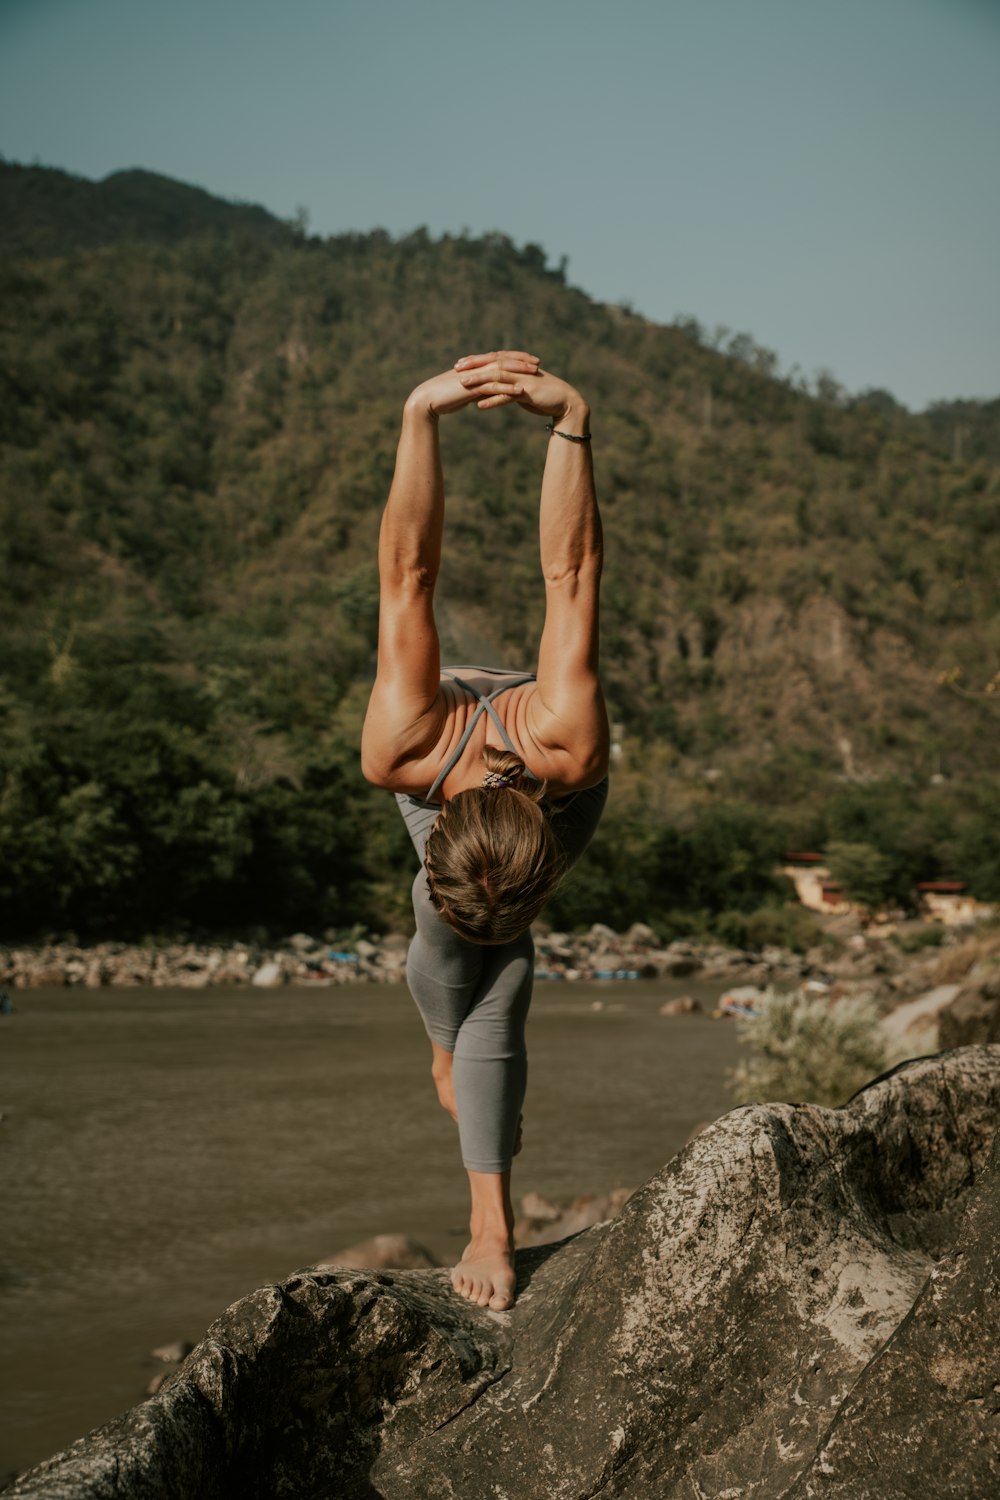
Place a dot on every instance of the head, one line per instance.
(492, 858)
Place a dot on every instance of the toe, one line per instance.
(501, 1301)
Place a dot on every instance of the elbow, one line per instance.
(581, 574)
(373, 760)
(405, 577)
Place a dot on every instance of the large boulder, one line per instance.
(974, 1014)
(802, 1303)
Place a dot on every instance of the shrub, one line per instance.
(807, 1050)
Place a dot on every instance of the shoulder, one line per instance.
(570, 751)
(568, 755)
(402, 750)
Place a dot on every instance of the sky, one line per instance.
(821, 175)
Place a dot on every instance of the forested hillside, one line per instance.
(197, 428)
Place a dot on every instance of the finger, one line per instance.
(485, 375)
(492, 401)
(505, 389)
(509, 357)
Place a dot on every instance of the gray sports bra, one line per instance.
(577, 814)
(485, 706)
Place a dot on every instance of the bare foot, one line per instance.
(485, 1274)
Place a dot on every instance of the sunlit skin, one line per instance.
(558, 723)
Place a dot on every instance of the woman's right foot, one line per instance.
(485, 1275)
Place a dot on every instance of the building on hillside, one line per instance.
(944, 901)
(948, 902)
(813, 886)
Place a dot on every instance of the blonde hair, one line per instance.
(492, 859)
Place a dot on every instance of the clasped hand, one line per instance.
(500, 378)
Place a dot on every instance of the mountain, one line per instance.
(197, 427)
(46, 212)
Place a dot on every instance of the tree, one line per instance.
(862, 872)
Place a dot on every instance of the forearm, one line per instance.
(413, 520)
(570, 534)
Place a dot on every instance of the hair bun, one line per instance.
(511, 767)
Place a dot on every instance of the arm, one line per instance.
(406, 711)
(569, 715)
(566, 716)
(403, 718)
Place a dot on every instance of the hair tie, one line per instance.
(497, 778)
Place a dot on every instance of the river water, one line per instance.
(163, 1152)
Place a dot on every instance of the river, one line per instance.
(166, 1151)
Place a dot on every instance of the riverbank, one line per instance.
(304, 959)
(849, 956)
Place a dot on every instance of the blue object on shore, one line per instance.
(6, 1006)
(341, 957)
(617, 974)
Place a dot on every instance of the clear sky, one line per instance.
(820, 173)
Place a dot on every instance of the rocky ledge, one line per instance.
(802, 1304)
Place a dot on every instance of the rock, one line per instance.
(922, 1417)
(301, 942)
(385, 1252)
(541, 1210)
(800, 1304)
(639, 935)
(268, 976)
(54, 974)
(684, 1005)
(679, 967)
(172, 1353)
(582, 1213)
(974, 1014)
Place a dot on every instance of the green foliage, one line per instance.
(807, 1050)
(786, 926)
(917, 942)
(198, 416)
(863, 873)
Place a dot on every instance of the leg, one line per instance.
(490, 1076)
(485, 1274)
(441, 1072)
(474, 1002)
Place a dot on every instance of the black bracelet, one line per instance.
(569, 436)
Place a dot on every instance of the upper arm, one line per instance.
(406, 710)
(567, 716)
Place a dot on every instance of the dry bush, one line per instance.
(808, 1049)
(955, 963)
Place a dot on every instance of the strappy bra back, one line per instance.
(484, 706)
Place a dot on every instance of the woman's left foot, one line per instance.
(485, 1274)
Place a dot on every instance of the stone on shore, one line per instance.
(800, 1305)
(384, 1252)
(269, 976)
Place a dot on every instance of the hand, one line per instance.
(489, 377)
(445, 393)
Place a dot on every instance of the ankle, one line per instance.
(489, 1228)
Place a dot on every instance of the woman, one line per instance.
(501, 776)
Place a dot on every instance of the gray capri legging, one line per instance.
(474, 999)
